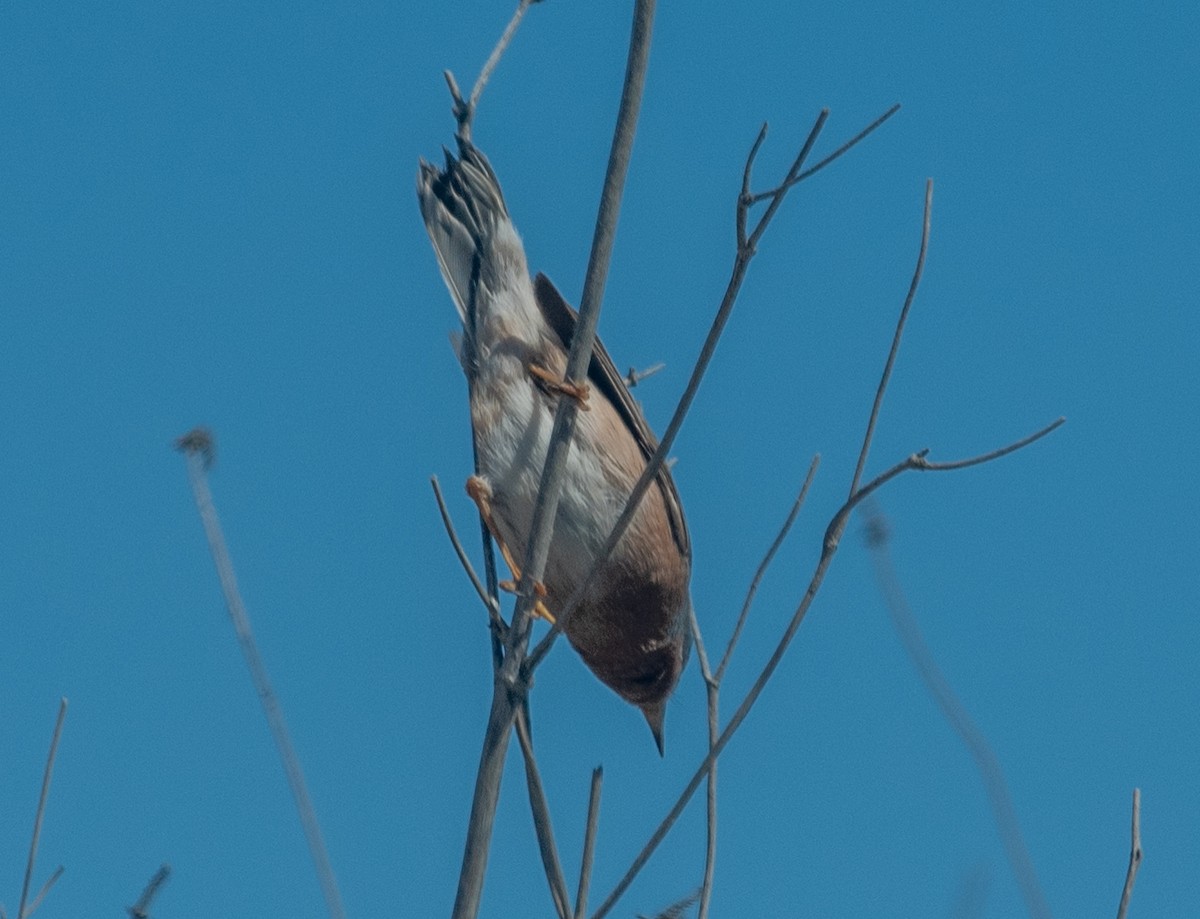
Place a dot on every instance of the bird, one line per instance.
(632, 627)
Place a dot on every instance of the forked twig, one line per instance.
(47, 774)
(41, 894)
(1135, 854)
(196, 445)
(956, 714)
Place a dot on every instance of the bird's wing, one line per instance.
(603, 374)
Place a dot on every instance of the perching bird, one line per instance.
(631, 628)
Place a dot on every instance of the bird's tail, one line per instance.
(469, 226)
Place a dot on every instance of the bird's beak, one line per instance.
(656, 714)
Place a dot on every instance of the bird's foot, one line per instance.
(480, 492)
(551, 383)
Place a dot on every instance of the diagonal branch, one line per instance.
(541, 820)
(589, 843)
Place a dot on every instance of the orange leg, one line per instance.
(479, 492)
(552, 383)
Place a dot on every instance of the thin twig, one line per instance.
(589, 842)
(47, 774)
(765, 564)
(542, 824)
(141, 909)
(956, 714)
(1135, 854)
(464, 109)
(192, 446)
(895, 348)
(489, 603)
(512, 681)
(840, 151)
(712, 693)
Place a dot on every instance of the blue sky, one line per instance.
(207, 216)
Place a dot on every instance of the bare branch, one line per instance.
(512, 680)
(956, 714)
(765, 564)
(589, 843)
(141, 909)
(926, 466)
(47, 774)
(745, 198)
(464, 109)
(490, 602)
(745, 253)
(192, 446)
(1135, 854)
(542, 824)
(844, 148)
(894, 350)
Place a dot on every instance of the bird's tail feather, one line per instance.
(464, 210)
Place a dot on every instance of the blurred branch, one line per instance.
(141, 909)
(41, 895)
(197, 445)
(677, 909)
(1135, 854)
(957, 716)
(47, 774)
(589, 843)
